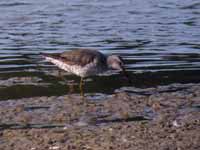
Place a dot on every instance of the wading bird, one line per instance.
(86, 62)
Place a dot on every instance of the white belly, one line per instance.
(83, 71)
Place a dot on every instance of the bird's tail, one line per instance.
(47, 55)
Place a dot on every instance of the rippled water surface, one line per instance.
(159, 40)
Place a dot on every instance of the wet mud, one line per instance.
(166, 117)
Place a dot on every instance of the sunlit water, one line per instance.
(159, 40)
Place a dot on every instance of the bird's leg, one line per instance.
(81, 87)
(59, 74)
(70, 86)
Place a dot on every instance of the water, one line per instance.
(159, 40)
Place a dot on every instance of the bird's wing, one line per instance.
(79, 57)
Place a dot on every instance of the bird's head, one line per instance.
(115, 62)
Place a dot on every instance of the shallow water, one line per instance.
(159, 40)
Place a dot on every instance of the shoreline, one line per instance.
(166, 117)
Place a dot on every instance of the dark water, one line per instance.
(159, 40)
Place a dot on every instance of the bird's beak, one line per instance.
(126, 75)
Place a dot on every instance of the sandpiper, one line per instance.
(85, 62)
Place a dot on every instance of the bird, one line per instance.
(85, 63)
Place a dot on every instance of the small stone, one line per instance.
(175, 123)
(54, 147)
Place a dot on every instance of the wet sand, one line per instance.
(166, 117)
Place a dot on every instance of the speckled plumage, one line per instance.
(81, 62)
(86, 62)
